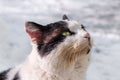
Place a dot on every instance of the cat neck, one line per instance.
(52, 67)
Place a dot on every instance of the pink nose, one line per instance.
(87, 35)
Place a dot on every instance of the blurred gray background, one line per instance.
(101, 18)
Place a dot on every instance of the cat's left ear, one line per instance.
(35, 31)
(65, 17)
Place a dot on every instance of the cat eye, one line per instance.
(66, 33)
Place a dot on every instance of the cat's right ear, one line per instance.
(65, 17)
(35, 31)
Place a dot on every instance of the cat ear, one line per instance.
(65, 17)
(35, 31)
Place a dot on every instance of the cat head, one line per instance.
(67, 38)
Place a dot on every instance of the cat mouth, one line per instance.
(89, 45)
(87, 36)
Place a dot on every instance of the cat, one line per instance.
(60, 51)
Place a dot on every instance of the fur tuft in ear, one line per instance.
(35, 31)
(65, 17)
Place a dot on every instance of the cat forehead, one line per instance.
(72, 25)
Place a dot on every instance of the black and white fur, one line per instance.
(54, 56)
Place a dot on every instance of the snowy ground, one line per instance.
(100, 16)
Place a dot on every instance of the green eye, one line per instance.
(66, 33)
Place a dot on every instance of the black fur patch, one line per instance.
(61, 26)
(45, 49)
(3, 75)
(16, 77)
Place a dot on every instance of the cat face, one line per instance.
(55, 36)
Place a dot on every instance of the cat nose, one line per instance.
(86, 35)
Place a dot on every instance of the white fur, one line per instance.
(73, 25)
(68, 61)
